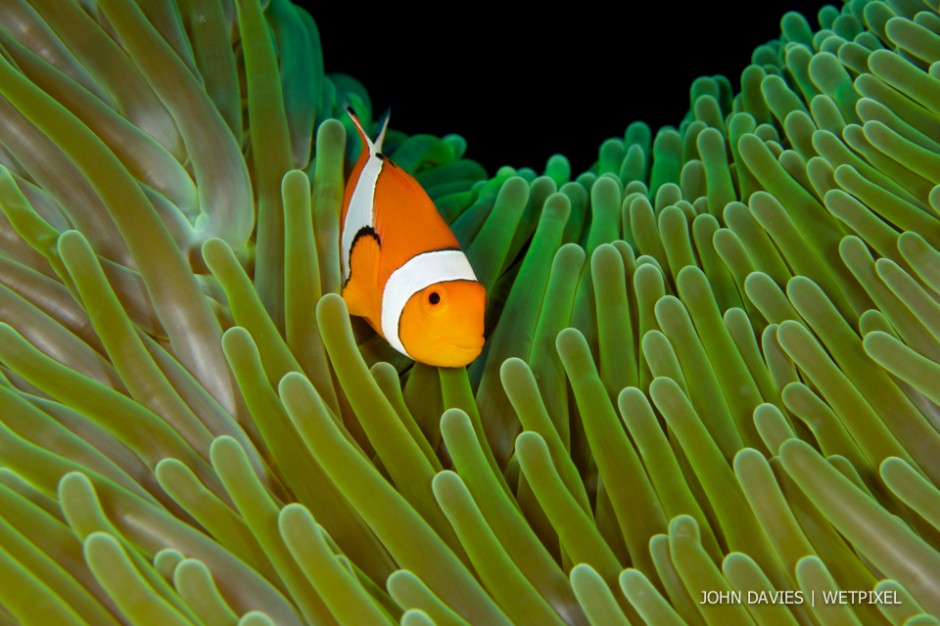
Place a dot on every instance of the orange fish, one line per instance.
(403, 270)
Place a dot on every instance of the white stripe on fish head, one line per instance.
(419, 272)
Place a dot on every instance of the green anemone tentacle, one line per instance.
(711, 367)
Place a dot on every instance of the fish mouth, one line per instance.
(476, 346)
(464, 345)
(446, 353)
(459, 355)
(465, 352)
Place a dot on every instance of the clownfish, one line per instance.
(402, 268)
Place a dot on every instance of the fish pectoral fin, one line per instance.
(360, 290)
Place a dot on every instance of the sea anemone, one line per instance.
(709, 390)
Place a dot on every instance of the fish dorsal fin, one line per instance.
(376, 146)
(360, 210)
(383, 124)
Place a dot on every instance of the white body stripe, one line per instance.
(420, 272)
(361, 211)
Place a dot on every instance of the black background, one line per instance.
(521, 85)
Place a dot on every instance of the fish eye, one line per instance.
(434, 297)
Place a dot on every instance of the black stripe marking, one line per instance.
(365, 231)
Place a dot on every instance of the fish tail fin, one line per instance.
(359, 290)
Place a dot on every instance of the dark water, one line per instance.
(520, 87)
